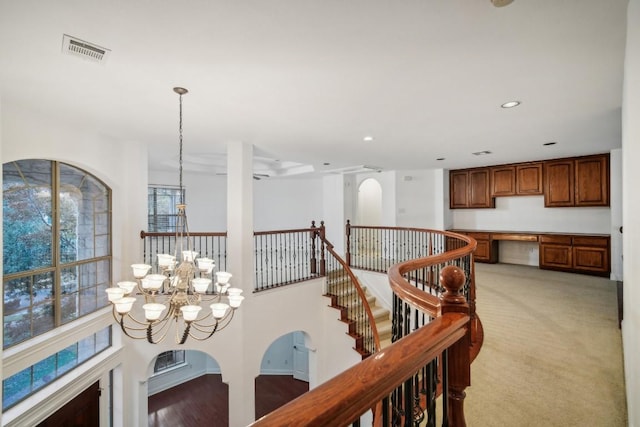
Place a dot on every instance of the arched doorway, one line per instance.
(182, 380)
(284, 373)
(369, 203)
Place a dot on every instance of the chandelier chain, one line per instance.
(180, 132)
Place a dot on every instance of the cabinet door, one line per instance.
(558, 183)
(503, 181)
(479, 194)
(487, 249)
(591, 254)
(459, 188)
(529, 179)
(592, 181)
(591, 259)
(554, 256)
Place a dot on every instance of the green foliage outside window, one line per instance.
(57, 246)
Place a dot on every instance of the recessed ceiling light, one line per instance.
(510, 104)
(549, 143)
(440, 158)
(367, 139)
(481, 153)
(326, 164)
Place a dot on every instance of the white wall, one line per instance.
(121, 165)
(334, 210)
(197, 364)
(631, 211)
(283, 204)
(527, 213)
(616, 215)
(417, 199)
(206, 198)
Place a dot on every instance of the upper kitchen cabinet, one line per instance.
(592, 181)
(529, 179)
(558, 183)
(470, 188)
(578, 181)
(503, 181)
(522, 179)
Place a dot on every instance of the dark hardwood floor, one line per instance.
(205, 400)
(273, 391)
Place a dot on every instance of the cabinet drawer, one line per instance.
(590, 241)
(479, 236)
(558, 240)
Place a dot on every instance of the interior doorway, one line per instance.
(181, 380)
(83, 410)
(284, 373)
(369, 203)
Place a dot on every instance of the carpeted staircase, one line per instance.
(344, 297)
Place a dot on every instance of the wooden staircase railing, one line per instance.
(348, 296)
(345, 398)
(436, 333)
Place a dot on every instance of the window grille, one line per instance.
(56, 246)
(169, 360)
(162, 207)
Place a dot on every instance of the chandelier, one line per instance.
(175, 292)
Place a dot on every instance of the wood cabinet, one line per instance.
(487, 249)
(503, 181)
(578, 181)
(558, 183)
(529, 179)
(592, 181)
(591, 254)
(570, 182)
(522, 179)
(555, 252)
(576, 253)
(458, 189)
(469, 188)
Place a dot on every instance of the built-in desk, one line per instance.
(577, 253)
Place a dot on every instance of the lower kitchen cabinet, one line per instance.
(578, 254)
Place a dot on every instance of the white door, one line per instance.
(300, 357)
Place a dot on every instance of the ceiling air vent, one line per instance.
(92, 52)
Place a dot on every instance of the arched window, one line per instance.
(57, 246)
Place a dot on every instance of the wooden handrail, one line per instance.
(407, 292)
(296, 230)
(144, 234)
(342, 399)
(361, 294)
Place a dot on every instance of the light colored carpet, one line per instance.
(552, 353)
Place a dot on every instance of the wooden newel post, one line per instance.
(313, 260)
(323, 261)
(452, 278)
(348, 236)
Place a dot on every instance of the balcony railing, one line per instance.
(436, 333)
(210, 245)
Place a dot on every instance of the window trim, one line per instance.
(57, 265)
(152, 208)
(172, 367)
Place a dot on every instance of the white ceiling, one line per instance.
(304, 81)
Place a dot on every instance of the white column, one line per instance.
(333, 201)
(240, 264)
(630, 212)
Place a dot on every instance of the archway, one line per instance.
(369, 203)
(181, 380)
(284, 373)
